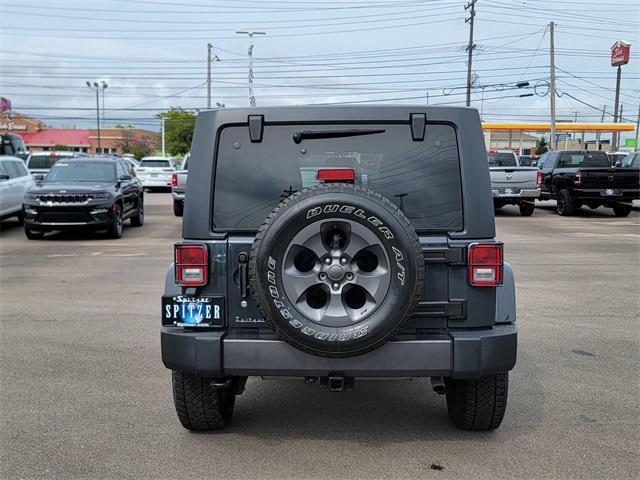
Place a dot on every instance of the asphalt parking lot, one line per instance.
(84, 394)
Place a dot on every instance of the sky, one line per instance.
(152, 54)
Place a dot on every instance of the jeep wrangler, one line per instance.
(336, 243)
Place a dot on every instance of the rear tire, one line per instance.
(20, 217)
(33, 234)
(178, 208)
(200, 406)
(478, 404)
(138, 219)
(621, 210)
(527, 209)
(565, 206)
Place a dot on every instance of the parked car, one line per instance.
(179, 186)
(12, 144)
(92, 192)
(616, 157)
(575, 178)
(131, 158)
(156, 172)
(296, 263)
(39, 163)
(14, 182)
(512, 184)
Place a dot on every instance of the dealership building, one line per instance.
(39, 137)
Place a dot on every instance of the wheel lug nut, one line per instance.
(344, 260)
(349, 276)
(327, 260)
(336, 286)
(322, 276)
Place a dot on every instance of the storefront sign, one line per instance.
(12, 126)
(620, 53)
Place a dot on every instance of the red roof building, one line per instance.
(39, 138)
(45, 139)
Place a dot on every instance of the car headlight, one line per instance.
(100, 196)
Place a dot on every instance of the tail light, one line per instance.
(577, 181)
(336, 175)
(191, 264)
(485, 264)
(538, 179)
(174, 180)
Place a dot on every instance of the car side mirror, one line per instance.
(4, 177)
(125, 178)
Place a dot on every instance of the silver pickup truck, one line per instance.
(512, 184)
(179, 186)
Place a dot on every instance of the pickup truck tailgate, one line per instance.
(609, 178)
(518, 177)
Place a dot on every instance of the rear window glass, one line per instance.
(155, 164)
(423, 178)
(630, 160)
(45, 161)
(502, 160)
(583, 159)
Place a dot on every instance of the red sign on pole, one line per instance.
(620, 53)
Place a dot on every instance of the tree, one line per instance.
(542, 146)
(178, 130)
(142, 147)
(126, 139)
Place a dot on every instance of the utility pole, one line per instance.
(250, 33)
(471, 6)
(552, 86)
(210, 59)
(209, 46)
(637, 128)
(604, 111)
(614, 136)
(162, 134)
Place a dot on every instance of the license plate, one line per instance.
(510, 191)
(154, 175)
(184, 311)
(610, 192)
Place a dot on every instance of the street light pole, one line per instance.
(96, 87)
(104, 86)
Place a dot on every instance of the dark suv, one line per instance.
(90, 192)
(332, 243)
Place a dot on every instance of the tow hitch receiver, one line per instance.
(337, 383)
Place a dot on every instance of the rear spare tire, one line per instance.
(336, 269)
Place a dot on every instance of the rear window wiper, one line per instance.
(314, 134)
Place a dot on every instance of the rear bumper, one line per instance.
(521, 195)
(460, 354)
(177, 196)
(622, 195)
(148, 183)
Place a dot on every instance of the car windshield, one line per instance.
(82, 172)
(45, 161)
(502, 160)
(155, 164)
(583, 159)
(421, 178)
